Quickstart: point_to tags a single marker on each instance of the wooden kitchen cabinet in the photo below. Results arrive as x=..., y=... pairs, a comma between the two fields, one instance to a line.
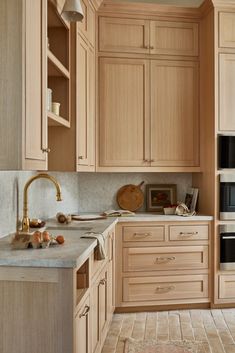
x=170, y=270
x=174, y=38
x=23, y=85
x=86, y=27
x=226, y=100
x=226, y=29
x=83, y=328
x=148, y=113
x=142, y=36
x=174, y=113
x=124, y=112
x=85, y=106
x=123, y=35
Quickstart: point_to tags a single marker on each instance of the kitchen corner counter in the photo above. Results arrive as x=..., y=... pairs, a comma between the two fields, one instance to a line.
x=75, y=250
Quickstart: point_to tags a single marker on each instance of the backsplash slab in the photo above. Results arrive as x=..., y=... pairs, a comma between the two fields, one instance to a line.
x=97, y=191
x=81, y=192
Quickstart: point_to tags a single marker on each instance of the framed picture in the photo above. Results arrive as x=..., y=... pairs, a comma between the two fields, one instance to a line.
x=160, y=196
x=191, y=199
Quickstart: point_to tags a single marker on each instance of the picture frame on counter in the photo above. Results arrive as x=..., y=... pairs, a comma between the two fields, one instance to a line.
x=191, y=198
x=159, y=196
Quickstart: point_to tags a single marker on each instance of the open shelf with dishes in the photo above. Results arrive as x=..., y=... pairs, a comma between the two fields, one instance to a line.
x=58, y=64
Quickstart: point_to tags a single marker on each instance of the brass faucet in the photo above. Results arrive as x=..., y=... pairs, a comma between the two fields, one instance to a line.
x=25, y=220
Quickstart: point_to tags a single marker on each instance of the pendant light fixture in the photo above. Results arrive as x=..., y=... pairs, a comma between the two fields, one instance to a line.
x=72, y=11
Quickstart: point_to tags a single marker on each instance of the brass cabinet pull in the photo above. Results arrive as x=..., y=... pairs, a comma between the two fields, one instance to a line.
x=188, y=234
x=164, y=289
x=151, y=47
x=46, y=150
x=103, y=281
x=80, y=157
x=146, y=47
x=148, y=160
x=85, y=312
x=142, y=234
x=164, y=259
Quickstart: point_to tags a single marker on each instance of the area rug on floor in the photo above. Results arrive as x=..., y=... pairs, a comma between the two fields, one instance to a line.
x=150, y=346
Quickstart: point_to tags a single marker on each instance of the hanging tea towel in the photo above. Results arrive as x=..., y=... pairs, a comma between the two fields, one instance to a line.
x=101, y=254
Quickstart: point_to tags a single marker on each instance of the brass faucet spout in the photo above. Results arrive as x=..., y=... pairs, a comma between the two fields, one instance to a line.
x=25, y=221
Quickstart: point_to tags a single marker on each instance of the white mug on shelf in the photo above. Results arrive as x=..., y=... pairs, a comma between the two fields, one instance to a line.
x=56, y=108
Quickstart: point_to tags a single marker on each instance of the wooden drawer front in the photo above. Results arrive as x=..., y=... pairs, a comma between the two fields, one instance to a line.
x=97, y=264
x=227, y=30
x=183, y=233
x=227, y=287
x=145, y=234
x=165, y=288
x=165, y=258
x=123, y=35
x=174, y=38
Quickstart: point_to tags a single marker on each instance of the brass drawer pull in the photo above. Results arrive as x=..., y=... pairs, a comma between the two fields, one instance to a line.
x=146, y=47
x=164, y=259
x=103, y=281
x=85, y=312
x=188, y=234
x=165, y=289
x=151, y=47
x=81, y=157
x=142, y=235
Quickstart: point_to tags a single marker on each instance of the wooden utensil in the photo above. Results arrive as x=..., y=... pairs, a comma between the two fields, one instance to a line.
x=130, y=197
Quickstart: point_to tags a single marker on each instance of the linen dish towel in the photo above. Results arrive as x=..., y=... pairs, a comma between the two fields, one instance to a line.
x=101, y=254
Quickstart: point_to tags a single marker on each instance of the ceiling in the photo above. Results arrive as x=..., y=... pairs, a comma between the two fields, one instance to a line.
x=187, y=3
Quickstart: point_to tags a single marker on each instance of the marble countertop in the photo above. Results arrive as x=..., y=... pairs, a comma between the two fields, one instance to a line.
x=75, y=250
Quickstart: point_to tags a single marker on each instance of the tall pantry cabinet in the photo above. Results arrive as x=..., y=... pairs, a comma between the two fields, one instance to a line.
x=23, y=82
x=148, y=92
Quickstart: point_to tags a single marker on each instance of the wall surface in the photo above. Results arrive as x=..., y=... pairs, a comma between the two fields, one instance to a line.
x=83, y=192
x=97, y=191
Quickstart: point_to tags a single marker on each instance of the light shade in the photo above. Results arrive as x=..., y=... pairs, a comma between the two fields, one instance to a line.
x=72, y=11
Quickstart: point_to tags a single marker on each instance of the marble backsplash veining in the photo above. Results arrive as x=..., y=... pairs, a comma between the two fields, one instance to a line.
x=81, y=192
x=97, y=191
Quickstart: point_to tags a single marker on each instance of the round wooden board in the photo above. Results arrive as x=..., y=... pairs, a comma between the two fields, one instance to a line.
x=130, y=197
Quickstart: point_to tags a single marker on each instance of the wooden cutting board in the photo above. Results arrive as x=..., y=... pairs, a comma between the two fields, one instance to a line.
x=130, y=197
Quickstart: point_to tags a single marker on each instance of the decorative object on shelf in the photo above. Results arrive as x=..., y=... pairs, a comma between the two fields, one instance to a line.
x=56, y=108
x=182, y=210
x=170, y=210
x=191, y=199
x=72, y=11
x=130, y=197
x=160, y=196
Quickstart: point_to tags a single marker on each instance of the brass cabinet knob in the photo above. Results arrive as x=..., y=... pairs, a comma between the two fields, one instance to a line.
x=151, y=47
x=46, y=150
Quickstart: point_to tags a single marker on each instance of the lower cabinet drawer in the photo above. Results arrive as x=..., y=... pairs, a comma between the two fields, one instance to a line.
x=165, y=288
x=227, y=287
x=189, y=232
x=146, y=234
x=165, y=258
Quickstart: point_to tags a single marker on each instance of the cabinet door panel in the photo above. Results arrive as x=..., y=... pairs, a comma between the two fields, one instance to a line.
x=123, y=35
x=82, y=101
x=35, y=84
x=174, y=38
x=174, y=113
x=82, y=329
x=123, y=112
x=227, y=30
x=226, y=92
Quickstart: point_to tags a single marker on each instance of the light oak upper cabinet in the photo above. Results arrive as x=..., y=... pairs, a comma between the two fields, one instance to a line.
x=123, y=35
x=226, y=92
x=123, y=91
x=23, y=120
x=87, y=26
x=85, y=103
x=174, y=113
x=174, y=38
x=227, y=29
